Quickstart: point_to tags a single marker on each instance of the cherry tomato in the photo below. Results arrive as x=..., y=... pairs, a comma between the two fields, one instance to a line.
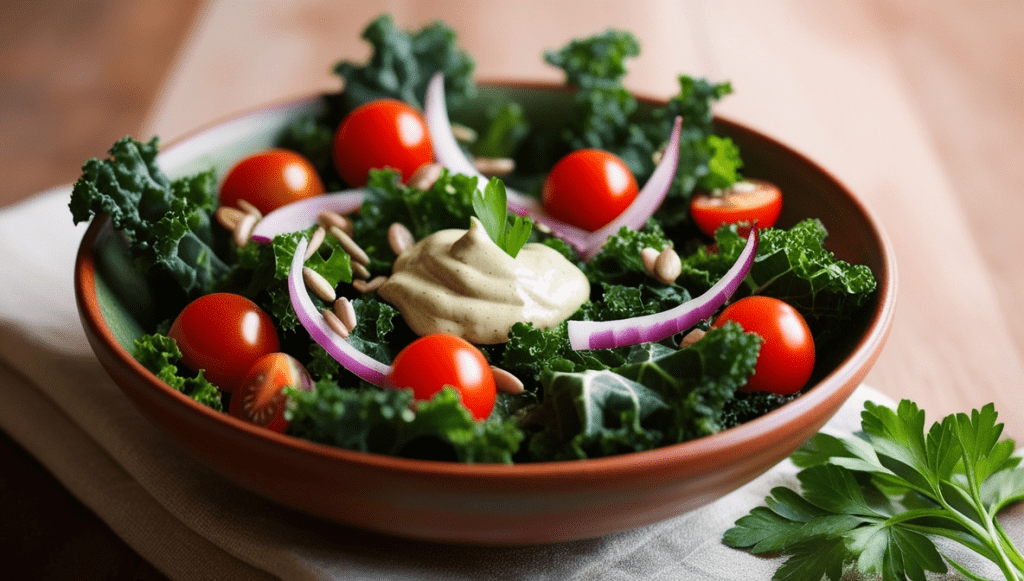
x=260, y=399
x=589, y=188
x=433, y=361
x=787, y=354
x=743, y=204
x=379, y=134
x=270, y=179
x=223, y=334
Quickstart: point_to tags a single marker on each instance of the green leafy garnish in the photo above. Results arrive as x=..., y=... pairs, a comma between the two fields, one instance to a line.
x=166, y=221
x=161, y=355
x=491, y=207
x=877, y=500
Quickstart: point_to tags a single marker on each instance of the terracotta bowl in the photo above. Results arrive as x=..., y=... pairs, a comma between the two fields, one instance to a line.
x=487, y=504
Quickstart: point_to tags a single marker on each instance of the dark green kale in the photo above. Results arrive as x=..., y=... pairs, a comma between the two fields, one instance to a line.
x=382, y=421
x=167, y=222
x=161, y=355
x=506, y=127
x=375, y=335
x=447, y=204
x=593, y=414
x=609, y=117
x=402, y=63
x=262, y=274
x=658, y=395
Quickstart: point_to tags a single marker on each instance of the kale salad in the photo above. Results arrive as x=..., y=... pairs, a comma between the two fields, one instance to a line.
x=549, y=399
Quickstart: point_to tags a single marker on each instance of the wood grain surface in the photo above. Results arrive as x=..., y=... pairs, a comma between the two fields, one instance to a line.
x=917, y=105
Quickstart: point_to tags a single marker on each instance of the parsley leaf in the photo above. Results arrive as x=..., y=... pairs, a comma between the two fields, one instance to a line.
x=875, y=501
x=491, y=207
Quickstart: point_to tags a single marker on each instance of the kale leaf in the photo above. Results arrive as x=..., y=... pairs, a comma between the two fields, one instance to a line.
x=161, y=355
x=167, y=222
x=402, y=63
x=386, y=421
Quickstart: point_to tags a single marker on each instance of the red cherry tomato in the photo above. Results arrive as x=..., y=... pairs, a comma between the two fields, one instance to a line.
x=433, y=361
x=787, y=354
x=270, y=179
x=223, y=334
x=743, y=204
x=379, y=134
x=260, y=398
x=589, y=188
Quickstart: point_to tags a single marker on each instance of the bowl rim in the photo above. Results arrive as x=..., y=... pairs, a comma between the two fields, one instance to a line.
x=728, y=442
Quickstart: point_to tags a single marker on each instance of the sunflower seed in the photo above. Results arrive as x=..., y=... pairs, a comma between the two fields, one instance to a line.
x=329, y=218
x=400, y=238
x=649, y=256
x=228, y=217
x=314, y=243
x=494, y=166
x=248, y=208
x=366, y=287
x=424, y=177
x=318, y=284
x=335, y=323
x=243, y=231
x=359, y=272
x=691, y=338
x=345, y=312
x=506, y=382
x=463, y=133
x=668, y=266
x=350, y=246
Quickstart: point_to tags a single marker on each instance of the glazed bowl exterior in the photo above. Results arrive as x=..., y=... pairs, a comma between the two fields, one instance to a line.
x=473, y=503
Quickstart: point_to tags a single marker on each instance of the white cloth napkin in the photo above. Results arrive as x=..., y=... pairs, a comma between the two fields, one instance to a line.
x=191, y=524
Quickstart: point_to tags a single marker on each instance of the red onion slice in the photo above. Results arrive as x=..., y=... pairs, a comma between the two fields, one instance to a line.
x=450, y=155
x=359, y=363
x=302, y=214
x=646, y=328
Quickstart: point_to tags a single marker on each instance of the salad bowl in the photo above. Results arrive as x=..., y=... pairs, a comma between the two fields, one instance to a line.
x=483, y=503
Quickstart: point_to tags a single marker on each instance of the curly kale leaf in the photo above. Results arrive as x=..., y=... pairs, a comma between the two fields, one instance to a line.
x=386, y=421
x=373, y=335
x=592, y=414
x=699, y=380
x=167, y=222
x=402, y=63
x=446, y=204
x=161, y=355
x=262, y=273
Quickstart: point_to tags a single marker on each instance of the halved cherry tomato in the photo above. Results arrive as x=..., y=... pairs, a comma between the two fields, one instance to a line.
x=787, y=354
x=589, y=188
x=379, y=134
x=223, y=334
x=270, y=179
x=742, y=204
x=433, y=361
x=260, y=399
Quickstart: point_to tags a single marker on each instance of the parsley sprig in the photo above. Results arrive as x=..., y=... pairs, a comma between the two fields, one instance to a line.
x=876, y=500
x=491, y=207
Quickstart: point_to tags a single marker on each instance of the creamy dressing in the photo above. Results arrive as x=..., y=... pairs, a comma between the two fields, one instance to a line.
x=461, y=283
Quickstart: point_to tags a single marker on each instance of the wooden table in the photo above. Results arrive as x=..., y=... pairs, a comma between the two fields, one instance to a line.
x=917, y=105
